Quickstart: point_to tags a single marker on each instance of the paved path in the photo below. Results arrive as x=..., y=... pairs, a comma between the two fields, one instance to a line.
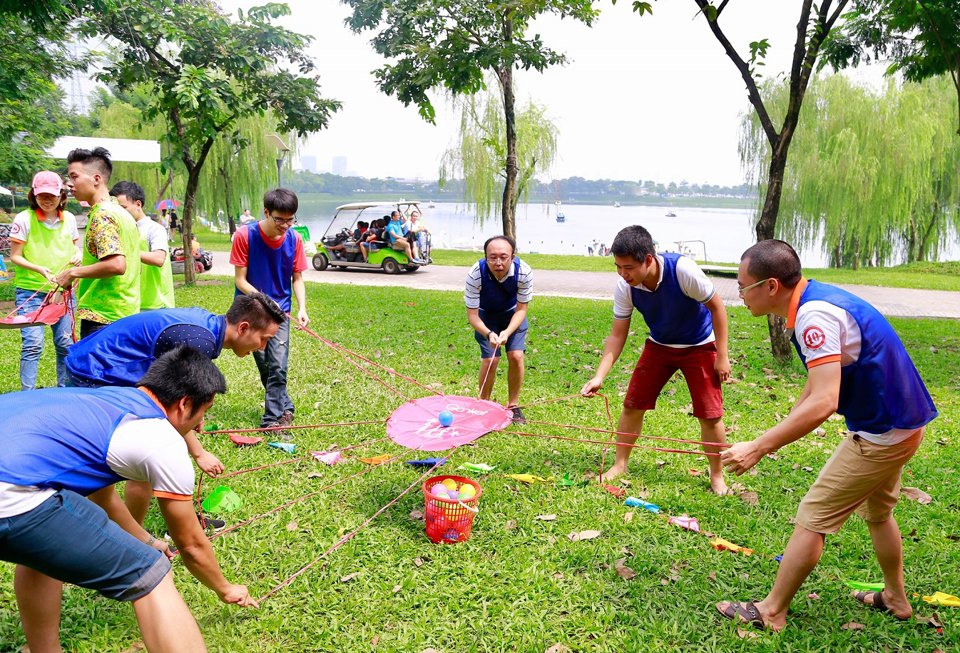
x=896, y=302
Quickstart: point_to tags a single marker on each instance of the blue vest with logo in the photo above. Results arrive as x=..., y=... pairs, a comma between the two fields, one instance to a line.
x=498, y=297
x=121, y=353
x=270, y=270
x=882, y=390
x=672, y=317
x=58, y=437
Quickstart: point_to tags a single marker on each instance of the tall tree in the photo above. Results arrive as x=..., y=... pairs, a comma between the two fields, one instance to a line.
x=206, y=72
x=874, y=175
x=482, y=147
x=32, y=114
x=452, y=44
x=920, y=37
x=815, y=23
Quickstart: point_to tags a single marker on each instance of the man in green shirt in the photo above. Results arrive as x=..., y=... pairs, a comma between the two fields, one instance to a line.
x=156, y=277
x=109, y=277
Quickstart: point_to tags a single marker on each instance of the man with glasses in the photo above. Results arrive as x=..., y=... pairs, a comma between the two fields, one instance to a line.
x=268, y=257
x=688, y=332
x=856, y=366
x=499, y=287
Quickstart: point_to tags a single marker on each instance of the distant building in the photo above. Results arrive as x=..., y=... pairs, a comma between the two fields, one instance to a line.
x=309, y=163
x=340, y=166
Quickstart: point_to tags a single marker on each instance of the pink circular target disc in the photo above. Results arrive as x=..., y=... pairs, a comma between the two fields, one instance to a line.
x=415, y=424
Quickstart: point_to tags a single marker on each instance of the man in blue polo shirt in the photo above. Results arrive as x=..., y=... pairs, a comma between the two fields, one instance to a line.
x=120, y=354
x=64, y=444
x=499, y=287
x=268, y=257
x=856, y=366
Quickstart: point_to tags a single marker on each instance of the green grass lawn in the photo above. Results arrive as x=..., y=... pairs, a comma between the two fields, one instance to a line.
x=520, y=584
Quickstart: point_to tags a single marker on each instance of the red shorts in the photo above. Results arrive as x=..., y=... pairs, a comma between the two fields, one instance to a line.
x=658, y=363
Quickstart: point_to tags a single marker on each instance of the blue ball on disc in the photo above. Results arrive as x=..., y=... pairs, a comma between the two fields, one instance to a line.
x=445, y=418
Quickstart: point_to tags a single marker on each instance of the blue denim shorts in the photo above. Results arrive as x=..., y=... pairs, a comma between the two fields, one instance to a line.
x=497, y=323
x=70, y=538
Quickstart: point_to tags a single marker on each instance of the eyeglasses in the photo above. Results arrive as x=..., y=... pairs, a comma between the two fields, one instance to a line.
x=499, y=259
x=742, y=290
x=287, y=221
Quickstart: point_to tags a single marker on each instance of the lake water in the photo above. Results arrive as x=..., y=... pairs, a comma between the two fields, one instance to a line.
x=725, y=233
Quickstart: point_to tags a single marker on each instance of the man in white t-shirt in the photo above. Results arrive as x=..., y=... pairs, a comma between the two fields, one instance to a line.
x=688, y=332
x=62, y=445
x=156, y=273
x=856, y=366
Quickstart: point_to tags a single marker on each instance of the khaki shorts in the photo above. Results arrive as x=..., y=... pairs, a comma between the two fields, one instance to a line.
x=860, y=477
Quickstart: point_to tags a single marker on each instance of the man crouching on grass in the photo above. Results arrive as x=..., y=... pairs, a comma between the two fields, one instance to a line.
x=856, y=366
x=64, y=444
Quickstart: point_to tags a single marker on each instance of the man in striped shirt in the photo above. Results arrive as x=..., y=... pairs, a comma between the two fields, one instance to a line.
x=498, y=289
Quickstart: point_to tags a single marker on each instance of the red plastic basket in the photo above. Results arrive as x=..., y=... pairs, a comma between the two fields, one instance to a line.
x=449, y=520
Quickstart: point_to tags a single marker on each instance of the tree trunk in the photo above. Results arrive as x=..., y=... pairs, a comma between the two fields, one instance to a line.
x=231, y=226
x=766, y=227
x=189, y=201
x=927, y=234
x=512, y=167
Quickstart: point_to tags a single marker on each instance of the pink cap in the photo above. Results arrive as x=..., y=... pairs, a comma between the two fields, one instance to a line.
x=47, y=182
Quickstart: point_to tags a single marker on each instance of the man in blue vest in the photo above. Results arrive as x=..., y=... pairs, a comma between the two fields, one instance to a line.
x=268, y=257
x=64, y=444
x=499, y=287
x=688, y=332
x=122, y=352
x=856, y=366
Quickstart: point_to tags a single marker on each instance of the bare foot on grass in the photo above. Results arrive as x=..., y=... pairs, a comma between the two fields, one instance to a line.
x=718, y=486
x=613, y=472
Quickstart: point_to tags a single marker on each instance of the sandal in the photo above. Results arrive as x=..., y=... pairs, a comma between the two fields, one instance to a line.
x=746, y=613
x=877, y=604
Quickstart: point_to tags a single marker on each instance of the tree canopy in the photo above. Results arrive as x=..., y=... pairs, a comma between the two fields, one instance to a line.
x=205, y=73
x=921, y=39
x=477, y=155
x=874, y=176
x=452, y=45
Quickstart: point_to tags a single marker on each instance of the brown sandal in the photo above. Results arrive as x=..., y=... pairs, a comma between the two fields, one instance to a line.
x=746, y=613
x=877, y=604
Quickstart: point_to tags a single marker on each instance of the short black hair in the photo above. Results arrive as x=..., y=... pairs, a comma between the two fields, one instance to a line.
x=281, y=199
x=510, y=241
x=98, y=158
x=184, y=372
x=634, y=241
x=774, y=259
x=130, y=190
x=257, y=309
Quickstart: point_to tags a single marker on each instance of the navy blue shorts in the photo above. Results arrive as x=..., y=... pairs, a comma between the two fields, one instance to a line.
x=497, y=323
x=70, y=538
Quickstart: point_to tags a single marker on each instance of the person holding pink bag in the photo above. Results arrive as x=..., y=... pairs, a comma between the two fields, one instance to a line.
x=42, y=243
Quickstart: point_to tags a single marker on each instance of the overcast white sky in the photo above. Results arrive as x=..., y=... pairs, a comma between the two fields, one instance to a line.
x=641, y=98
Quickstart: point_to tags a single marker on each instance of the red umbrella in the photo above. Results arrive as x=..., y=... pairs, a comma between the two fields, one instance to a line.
x=166, y=204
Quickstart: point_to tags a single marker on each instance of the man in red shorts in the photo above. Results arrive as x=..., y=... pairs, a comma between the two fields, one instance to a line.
x=688, y=332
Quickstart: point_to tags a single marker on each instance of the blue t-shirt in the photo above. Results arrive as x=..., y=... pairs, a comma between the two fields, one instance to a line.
x=395, y=229
x=120, y=353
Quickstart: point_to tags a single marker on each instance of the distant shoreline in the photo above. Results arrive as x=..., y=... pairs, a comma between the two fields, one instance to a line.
x=745, y=203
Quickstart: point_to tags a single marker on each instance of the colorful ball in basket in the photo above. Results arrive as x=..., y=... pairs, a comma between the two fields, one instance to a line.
x=450, y=520
x=445, y=418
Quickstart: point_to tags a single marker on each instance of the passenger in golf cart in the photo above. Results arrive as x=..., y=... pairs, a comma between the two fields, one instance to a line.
x=341, y=248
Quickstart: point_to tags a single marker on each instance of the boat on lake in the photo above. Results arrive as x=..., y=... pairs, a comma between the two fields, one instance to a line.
x=671, y=214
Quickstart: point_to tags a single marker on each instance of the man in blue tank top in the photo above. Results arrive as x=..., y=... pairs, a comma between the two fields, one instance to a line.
x=688, y=332
x=499, y=287
x=268, y=257
x=856, y=366
x=61, y=520
x=121, y=353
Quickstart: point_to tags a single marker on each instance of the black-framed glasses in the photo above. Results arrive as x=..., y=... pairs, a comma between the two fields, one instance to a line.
x=741, y=290
x=287, y=221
